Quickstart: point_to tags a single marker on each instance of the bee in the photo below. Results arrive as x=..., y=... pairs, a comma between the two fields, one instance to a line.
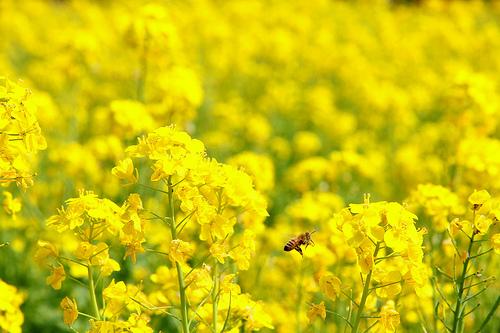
x=302, y=239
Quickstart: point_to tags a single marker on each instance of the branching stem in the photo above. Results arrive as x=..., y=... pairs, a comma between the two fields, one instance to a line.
x=364, y=295
x=180, y=274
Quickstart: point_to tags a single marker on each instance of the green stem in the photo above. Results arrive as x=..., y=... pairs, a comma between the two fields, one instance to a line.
x=457, y=315
x=180, y=274
x=91, y=286
x=364, y=295
x=490, y=314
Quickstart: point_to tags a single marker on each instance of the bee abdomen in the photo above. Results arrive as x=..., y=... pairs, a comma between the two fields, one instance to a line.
x=289, y=246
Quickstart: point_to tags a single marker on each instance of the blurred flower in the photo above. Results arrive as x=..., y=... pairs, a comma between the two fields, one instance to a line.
x=180, y=251
x=11, y=205
x=57, y=277
x=479, y=198
x=495, y=242
x=330, y=286
x=70, y=310
x=316, y=310
x=389, y=317
x=125, y=170
x=115, y=295
x=11, y=316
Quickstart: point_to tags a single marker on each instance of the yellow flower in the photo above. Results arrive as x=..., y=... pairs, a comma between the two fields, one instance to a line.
x=85, y=250
x=11, y=205
x=330, y=285
x=100, y=257
x=44, y=251
x=482, y=223
x=109, y=266
x=115, y=295
x=455, y=226
x=243, y=253
x=180, y=251
x=415, y=253
x=219, y=251
x=316, y=310
x=57, y=277
x=390, y=280
x=199, y=278
x=139, y=323
x=242, y=257
x=70, y=310
x=132, y=239
x=227, y=285
x=131, y=115
x=259, y=167
x=479, y=198
x=253, y=313
x=222, y=226
x=100, y=254
x=389, y=317
x=115, y=291
x=97, y=326
x=365, y=255
x=306, y=143
x=11, y=317
x=125, y=170
x=20, y=133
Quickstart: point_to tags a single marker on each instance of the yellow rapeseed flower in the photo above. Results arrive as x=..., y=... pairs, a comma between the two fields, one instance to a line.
x=219, y=251
x=330, y=286
x=482, y=223
x=57, y=277
x=316, y=310
x=479, y=198
x=11, y=205
x=44, y=251
x=11, y=316
x=70, y=310
x=179, y=251
x=389, y=317
x=125, y=170
x=115, y=295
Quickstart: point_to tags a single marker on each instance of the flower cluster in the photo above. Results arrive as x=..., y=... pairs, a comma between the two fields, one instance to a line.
x=20, y=134
x=209, y=202
x=11, y=317
x=91, y=227
x=389, y=254
x=297, y=109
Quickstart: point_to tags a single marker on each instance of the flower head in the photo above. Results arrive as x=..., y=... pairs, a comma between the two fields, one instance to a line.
x=389, y=317
x=316, y=310
x=70, y=310
x=330, y=285
x=57, y=277
x=180, y=251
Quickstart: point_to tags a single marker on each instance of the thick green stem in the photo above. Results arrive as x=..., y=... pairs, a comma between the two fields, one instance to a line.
x=180, y=274
x=364, y=295
x=91, y=286
x=457, y=317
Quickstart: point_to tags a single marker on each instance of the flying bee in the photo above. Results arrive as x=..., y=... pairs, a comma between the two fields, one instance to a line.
x=297, y=242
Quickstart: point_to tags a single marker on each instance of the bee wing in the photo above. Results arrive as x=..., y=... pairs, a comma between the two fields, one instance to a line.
x=285, y=237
